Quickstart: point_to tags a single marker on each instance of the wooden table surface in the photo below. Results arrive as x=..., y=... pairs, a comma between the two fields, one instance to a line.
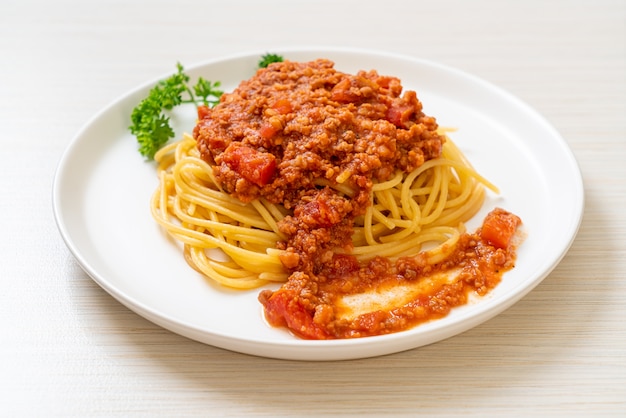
x=67, y=348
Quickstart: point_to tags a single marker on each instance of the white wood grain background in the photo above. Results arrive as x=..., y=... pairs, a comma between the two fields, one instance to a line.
x=69, y=349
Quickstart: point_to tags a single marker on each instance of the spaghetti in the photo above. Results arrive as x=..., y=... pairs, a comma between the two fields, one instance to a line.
x=423, y=209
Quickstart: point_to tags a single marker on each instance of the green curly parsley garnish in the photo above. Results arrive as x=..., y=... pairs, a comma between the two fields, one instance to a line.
x=150, y=122
x=267, y=59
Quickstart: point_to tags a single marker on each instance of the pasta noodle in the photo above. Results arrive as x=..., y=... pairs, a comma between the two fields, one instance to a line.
x=234, y=243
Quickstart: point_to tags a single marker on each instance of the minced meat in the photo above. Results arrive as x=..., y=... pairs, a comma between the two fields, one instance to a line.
x=293, y=124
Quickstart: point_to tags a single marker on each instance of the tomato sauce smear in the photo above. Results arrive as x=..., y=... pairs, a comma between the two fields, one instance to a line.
x=348, y=300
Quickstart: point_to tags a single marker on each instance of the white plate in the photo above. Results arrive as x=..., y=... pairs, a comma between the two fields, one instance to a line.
x=102, y=189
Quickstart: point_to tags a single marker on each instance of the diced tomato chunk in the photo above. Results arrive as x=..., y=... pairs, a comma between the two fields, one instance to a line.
x=268, y=131
x=282, y=106
x=282, y=308
x=203, y=111
x=399, y=115
x=403, y=110
x=343, y=92
x=255, y=166
x=499, y=227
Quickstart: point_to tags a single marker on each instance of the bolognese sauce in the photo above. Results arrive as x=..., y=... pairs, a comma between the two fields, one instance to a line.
x=293, y=132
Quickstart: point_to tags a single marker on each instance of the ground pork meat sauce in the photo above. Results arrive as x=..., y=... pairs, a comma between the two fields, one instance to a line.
x=291, y=130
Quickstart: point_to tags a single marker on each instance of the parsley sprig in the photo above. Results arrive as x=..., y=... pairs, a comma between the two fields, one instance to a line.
x=267, y=59
x=150, y=121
